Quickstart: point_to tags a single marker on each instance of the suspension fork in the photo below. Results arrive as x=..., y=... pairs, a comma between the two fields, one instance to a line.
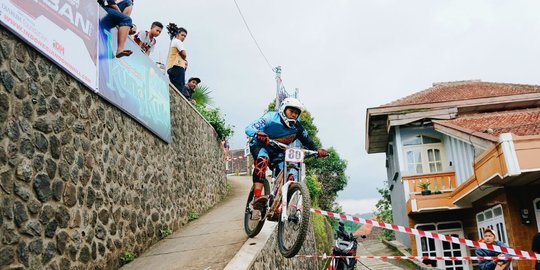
x=285, y=189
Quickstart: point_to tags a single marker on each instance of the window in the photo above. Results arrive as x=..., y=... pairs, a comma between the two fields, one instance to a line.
x=432, y=247
x=421, y=139
x=414, y=162
x=414, y=141
x=427, y=245
x=423, y=154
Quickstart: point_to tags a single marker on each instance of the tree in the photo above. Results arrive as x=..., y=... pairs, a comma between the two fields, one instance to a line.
x=331, y=175
x=384, y=212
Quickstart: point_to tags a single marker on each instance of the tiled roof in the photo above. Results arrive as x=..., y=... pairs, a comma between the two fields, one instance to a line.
x=464, y=90
x=519, y=122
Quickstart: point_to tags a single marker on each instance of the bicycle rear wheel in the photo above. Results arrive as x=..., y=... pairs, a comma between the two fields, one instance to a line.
x=252, y=225
x=292, y=232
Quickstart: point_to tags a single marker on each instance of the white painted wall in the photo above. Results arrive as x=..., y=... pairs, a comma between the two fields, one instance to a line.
x=461, y=155
x=399, y=208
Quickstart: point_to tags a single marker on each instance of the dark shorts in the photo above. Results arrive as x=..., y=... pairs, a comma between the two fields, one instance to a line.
x=118, y=18
x=124, y=4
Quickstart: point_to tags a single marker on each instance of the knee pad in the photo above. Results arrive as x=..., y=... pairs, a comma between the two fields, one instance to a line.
x=259, y=170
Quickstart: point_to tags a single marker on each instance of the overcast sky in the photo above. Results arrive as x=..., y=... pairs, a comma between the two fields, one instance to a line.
x=346, y=56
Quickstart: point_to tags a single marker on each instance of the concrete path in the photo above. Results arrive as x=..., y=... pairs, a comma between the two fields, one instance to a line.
x=375, y=247
x=208, y=243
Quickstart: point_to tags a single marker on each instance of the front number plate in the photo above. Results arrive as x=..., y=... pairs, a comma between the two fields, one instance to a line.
x=294, y=155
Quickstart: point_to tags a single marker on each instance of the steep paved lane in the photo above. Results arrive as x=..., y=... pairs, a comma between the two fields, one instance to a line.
x=209, y=242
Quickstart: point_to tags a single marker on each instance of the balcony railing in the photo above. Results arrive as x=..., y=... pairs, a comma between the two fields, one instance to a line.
x=441, y=181
x=445, y=182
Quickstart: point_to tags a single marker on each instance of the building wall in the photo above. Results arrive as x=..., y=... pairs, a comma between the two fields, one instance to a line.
x=461, y=155
x=80, y=181
x=521, y=234
x=399, y=199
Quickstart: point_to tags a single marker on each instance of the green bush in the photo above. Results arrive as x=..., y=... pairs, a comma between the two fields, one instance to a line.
x=213, y=116
x=193, y=216
x=314, y=187
x=127, y=257
x=324, y=236
x=165, y=232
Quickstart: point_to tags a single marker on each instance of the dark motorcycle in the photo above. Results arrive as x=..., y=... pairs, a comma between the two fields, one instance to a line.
x=346, y=245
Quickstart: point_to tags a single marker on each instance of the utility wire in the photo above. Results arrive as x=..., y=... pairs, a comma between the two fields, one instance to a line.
x=251, y=34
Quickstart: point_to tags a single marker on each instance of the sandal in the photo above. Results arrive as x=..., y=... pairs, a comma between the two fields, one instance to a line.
x=124, y=53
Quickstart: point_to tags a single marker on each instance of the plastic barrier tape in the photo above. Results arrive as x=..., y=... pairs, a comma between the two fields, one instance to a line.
x=239, y=157
x=516, y=252
x=420, y=258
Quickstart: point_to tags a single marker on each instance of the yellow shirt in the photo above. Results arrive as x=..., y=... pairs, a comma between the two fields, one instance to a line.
x=174, y=58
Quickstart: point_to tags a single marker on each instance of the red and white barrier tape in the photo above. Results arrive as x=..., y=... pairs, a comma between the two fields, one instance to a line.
x=239, y=157
x=432, y=235
x=420, y=258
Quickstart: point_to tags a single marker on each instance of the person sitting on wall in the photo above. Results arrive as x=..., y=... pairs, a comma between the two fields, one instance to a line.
x=121, y=20
x=147, y=39
x=489, y=238
x=189, y=88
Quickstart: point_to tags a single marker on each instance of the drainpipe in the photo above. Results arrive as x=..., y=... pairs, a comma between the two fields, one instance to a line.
x=509, y=152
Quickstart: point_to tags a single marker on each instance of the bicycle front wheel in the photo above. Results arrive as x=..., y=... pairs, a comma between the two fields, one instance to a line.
x=292, y=232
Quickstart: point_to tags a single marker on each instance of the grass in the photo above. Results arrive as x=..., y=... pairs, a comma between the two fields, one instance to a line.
x=323, y=235
x=165, y=232
x=193, y=216
x=127, y=257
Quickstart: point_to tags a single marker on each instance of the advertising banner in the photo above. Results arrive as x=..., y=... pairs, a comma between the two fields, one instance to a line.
x=133, y=83
x=65, y=31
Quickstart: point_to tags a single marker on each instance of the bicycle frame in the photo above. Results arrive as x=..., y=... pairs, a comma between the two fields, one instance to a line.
x=296, y=161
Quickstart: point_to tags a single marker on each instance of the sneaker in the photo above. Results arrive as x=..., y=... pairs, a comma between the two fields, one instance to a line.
x=260, y=202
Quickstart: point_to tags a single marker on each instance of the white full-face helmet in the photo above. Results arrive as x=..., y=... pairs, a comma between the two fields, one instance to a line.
x=290, y=103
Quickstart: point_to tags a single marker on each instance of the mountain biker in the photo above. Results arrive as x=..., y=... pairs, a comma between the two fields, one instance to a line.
x=283, y=126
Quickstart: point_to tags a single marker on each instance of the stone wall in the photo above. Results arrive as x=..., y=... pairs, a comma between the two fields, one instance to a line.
x=80, y=181
x=270, y=257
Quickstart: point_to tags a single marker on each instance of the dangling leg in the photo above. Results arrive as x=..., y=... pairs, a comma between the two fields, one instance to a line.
x=259, y=171
x=260, y=155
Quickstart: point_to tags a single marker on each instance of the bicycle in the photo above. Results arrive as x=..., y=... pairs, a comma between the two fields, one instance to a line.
x=294, y=213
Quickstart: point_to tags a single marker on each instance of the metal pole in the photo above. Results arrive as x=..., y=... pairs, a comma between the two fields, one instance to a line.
x=278, y=85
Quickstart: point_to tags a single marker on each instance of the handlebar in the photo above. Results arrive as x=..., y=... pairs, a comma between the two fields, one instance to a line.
x=285, y=146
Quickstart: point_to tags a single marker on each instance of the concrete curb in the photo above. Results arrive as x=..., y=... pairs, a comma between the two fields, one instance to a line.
x=252, y=247
x=402, y=249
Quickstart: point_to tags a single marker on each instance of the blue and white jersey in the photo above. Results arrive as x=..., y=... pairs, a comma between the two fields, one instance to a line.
x=272, y=125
